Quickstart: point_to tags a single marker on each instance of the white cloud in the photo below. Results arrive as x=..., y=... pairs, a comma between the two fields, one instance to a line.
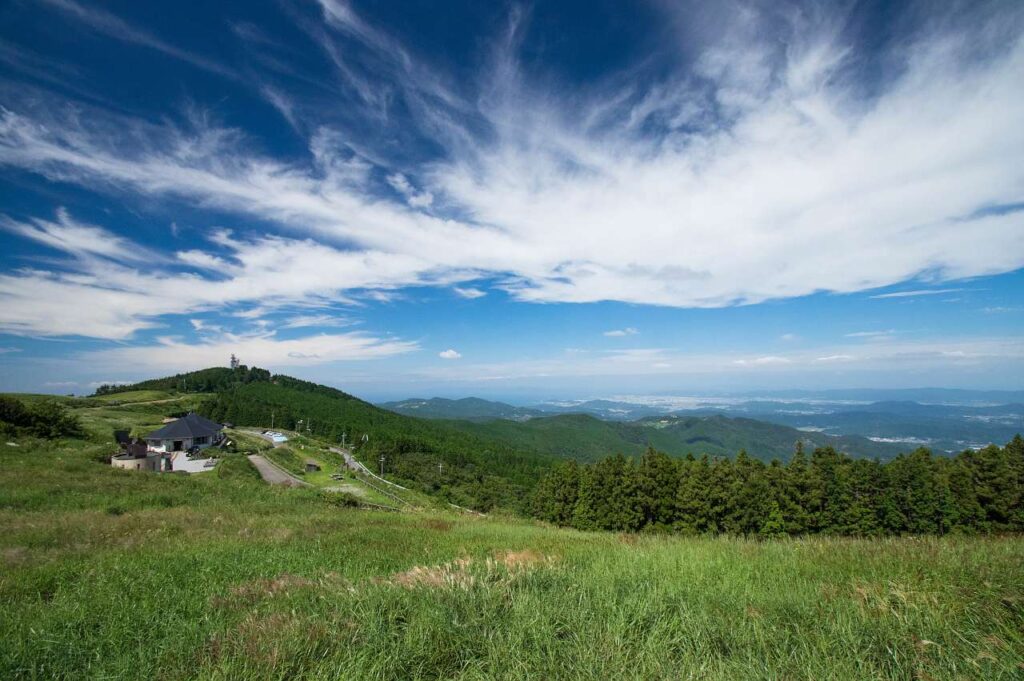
x=105, y=299
x=619, y=333
x=788, y=337
x=835, y=358
x=415, y=199
x=763, y=361
x=914, y=294
x=170, y=355
x=469, y=292
x=449, y=354
x=567, y=196
x=77, y=239
x=307, y=320
x=871, y=334
x=4, y=351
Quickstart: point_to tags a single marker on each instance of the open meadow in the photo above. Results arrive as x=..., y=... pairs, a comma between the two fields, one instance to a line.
x=116, y=574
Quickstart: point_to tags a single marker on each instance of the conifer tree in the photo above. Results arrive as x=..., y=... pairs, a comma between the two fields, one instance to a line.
x=693, y=498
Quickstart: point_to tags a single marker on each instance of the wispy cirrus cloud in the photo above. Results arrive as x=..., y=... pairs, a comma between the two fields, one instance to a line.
x=113, y=26
x=916, y=293
x=768, y=360
x=469, y=292
x=886, y=333
x=620, y=333
x=835, y=358
x=116, y=296
x=620, y=192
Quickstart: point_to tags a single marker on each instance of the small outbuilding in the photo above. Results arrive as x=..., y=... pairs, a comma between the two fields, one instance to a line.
x=134, y=455
x=312, y=466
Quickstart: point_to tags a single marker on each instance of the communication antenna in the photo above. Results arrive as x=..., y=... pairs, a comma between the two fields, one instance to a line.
x=234, y=361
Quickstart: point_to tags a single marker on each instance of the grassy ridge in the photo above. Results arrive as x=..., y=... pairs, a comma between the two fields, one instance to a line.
x=109, y=574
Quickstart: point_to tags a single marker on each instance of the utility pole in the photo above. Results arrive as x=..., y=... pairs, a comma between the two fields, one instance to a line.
x=439, y=467
x=271, y=420
x=343, y=440
x=382, y=465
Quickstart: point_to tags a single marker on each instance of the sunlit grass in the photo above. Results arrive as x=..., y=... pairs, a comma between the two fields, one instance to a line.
x=114, y=574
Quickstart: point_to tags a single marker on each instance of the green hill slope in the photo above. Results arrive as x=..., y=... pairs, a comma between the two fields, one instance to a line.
x=465, y=468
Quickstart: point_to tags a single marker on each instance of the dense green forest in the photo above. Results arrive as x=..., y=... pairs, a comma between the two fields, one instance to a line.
x=44, y=418
x=828, y=492
x=586, y=438
x=427, y=455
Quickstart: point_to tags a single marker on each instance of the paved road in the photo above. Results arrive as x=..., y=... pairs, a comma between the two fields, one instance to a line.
x=274, y=475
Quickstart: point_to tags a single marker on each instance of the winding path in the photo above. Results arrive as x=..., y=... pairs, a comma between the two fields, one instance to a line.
x=274, y=474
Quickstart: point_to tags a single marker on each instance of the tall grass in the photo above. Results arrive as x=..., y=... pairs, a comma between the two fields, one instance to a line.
x=110, y=574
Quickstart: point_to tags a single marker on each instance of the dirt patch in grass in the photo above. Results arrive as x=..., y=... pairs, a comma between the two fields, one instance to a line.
x=268, y=640
x=248, y=593
x=463, y=573
x=354, y=490
x=519, y=560
x=14, y=555
x=437, y=524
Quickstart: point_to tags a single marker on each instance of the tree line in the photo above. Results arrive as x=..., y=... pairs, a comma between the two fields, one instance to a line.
x=826, y=492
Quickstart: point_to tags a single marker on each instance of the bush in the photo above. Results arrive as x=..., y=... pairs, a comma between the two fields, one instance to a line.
x=47, y=419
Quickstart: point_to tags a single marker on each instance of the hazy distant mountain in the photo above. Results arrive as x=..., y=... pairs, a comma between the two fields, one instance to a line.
x=949, y=396
x=609, y=410
x=467, y=408
x=949, y=428
x=888, y=425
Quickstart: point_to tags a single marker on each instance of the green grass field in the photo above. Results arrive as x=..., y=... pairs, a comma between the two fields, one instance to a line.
x=117, y=575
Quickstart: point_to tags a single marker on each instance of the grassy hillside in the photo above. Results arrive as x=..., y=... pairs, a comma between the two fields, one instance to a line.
x=585, y=438
x=110, y=574
x=466, y=469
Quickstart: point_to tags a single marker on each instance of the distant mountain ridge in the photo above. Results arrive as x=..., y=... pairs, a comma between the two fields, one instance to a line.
x=586, y=438
x=895, y=423
x=467, y=408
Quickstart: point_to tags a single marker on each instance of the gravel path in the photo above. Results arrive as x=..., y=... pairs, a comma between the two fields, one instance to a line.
x=273, y=474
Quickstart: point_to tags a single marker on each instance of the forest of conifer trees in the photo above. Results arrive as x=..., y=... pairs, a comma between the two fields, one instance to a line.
x=826, y=492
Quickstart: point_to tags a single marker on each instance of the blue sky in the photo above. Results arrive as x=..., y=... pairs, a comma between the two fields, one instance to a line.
x=514, y=200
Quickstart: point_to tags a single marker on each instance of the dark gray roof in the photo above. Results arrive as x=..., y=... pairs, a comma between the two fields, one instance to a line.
x=192, y=426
